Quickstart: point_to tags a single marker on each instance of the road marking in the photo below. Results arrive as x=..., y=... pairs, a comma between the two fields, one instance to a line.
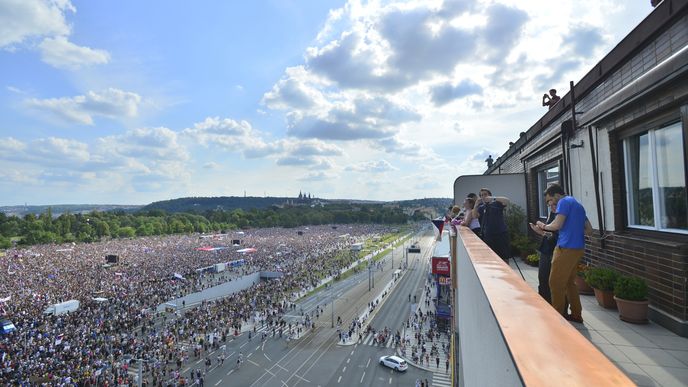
x=186, y=370
x=230, y=372
x=252, y=362
x=390, y=380
x=218, y=382
x=362, y=376
x=281, y=367
x=243, y=345
x=368, y=363
x=302, y=378
x=344, y=369
x=268, y=371
x=348, y=360
x=257, y=348
x=339, y=379
x=199, y=361
x=352, y=353
x=249, y=355
x=266, y=356
x=285, y=384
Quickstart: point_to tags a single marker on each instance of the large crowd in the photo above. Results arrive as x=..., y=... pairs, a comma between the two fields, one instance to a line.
x=117, y=318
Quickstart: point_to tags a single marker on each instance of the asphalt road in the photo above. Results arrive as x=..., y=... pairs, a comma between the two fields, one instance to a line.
x=317, y=358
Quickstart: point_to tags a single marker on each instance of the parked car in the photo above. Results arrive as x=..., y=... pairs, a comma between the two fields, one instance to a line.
x=394, y=362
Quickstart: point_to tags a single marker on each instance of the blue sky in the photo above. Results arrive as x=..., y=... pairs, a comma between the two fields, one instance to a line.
x=129, y=102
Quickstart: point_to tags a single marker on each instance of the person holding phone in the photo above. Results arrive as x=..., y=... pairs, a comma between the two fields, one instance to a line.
x=546, y=250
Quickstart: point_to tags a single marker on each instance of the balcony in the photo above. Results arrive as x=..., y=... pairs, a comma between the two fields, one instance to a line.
x=509, y=336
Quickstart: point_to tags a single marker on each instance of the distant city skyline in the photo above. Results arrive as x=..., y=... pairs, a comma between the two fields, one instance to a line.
x=134, y=102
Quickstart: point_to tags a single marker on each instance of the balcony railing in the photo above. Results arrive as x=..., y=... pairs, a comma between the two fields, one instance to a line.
x=509, y=336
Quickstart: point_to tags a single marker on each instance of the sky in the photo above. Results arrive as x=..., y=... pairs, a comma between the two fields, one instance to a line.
x=130, y=102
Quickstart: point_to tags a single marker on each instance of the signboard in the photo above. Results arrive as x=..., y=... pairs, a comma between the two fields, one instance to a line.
x=445, y=281
x=440, y=265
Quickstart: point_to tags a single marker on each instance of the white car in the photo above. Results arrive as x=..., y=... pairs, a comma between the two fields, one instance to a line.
x=394, y=362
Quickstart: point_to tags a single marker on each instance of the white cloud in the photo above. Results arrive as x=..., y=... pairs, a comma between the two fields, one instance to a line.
x=24, y=19
x=379, y=166
x=81, y=109
x=318, y=176
x=61, y=53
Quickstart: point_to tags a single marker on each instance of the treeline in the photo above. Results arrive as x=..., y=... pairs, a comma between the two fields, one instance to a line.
x=94, y=226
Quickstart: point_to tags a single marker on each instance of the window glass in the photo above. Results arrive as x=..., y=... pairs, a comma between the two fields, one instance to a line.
x=671, y=176
x=547, y=176
x=655, y=179
x=639, y=183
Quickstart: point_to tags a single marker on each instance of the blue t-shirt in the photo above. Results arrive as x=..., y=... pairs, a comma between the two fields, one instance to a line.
x=572, y=233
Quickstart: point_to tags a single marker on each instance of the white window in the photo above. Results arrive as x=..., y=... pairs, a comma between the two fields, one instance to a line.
x=656, y=179
x=548, y=175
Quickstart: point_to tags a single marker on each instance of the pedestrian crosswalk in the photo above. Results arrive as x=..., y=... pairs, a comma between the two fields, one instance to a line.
x=441, y=379
x=369, y=339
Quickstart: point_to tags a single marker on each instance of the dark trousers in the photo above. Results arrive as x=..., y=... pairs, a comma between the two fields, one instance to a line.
x=544, y=268
x=499, y=243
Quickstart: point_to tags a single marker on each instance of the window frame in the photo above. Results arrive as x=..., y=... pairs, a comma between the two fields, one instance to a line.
x=542, y=185
x=651, y=130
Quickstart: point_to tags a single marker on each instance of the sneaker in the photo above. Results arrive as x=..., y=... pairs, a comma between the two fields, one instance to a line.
x=573, y=318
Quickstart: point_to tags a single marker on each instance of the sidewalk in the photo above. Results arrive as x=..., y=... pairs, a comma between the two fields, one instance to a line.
x=439, y=362
x=647, y=353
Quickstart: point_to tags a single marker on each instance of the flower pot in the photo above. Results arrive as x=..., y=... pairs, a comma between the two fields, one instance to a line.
x=583, y=287
x=632, y=311
x=605, y=298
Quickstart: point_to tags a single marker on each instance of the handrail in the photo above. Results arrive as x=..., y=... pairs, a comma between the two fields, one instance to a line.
x=544, y=347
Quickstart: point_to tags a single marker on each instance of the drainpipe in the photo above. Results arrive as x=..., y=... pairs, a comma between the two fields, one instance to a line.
x=597, y=186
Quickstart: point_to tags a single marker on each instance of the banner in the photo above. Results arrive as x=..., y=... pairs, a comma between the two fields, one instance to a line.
x=440, y=265
x=439, y=226
x=444, y=281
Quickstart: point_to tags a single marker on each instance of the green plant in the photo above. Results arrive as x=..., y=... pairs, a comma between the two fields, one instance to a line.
x=515, y=219
x=601, y=278
x=581, y=269
x=533, y=259
x=521, y=245
x=630, y=288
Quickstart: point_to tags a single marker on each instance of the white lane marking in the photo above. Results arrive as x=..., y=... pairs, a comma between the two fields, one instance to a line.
x=347, y=361
x=249, y=355
x=390, y=380
x=218, y=382
x=344, y=369
x=368, y=363
x=230, y=372
x=339, y=379
x=352, y=353
x=302, y=378
x=266, y=356
x=257, y=348
x=362, y=376
x=243, y=345
x=252, y=362
x=284, y=384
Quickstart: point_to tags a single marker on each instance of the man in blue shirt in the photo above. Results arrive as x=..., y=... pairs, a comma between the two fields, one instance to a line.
x=572, y=225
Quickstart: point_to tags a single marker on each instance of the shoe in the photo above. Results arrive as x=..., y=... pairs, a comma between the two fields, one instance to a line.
x=573, y=318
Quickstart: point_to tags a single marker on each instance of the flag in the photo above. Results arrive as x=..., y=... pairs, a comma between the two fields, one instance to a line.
x=439, y=226
x=179, y=276
x=58, y=339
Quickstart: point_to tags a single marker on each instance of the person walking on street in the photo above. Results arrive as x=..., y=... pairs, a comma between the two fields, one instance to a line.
x=572, y=225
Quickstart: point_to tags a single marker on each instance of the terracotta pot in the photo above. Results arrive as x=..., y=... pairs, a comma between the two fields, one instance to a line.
x=583, y=287
x=632, y=311
x=605, y=298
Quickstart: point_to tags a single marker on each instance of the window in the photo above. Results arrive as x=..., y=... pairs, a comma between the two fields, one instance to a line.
x=656, y=179
x=548, y=175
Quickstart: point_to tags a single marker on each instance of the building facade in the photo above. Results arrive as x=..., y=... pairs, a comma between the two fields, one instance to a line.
x=617, y=141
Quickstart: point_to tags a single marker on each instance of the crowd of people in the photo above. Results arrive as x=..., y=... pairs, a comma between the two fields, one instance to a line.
x=117, y=319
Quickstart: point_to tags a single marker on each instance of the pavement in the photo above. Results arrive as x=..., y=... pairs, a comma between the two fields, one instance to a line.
x=649, y=354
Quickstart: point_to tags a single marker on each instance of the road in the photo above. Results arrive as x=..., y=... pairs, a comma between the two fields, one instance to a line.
x=318, y=358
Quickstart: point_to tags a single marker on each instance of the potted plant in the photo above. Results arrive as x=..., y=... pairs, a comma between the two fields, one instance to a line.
x=630, y=294
x=522, y=246
x=533, y=259
x=602, y=281
x=583, y=287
